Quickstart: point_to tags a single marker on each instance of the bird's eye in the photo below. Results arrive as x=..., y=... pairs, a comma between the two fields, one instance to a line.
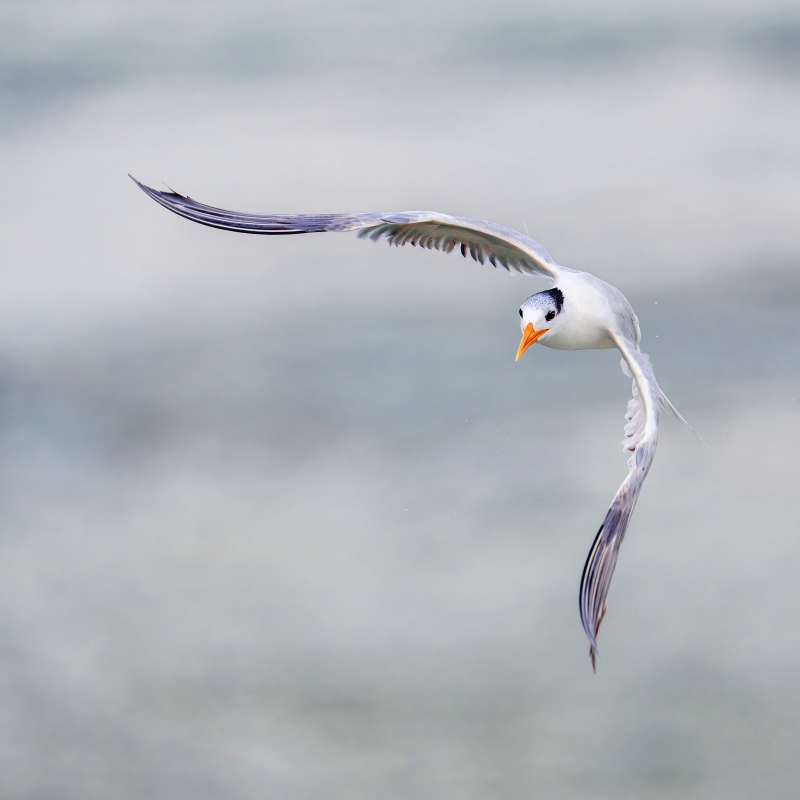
x=520, y=312
x=550, y=315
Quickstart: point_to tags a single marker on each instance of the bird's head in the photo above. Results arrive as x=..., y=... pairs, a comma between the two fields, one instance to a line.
x=538, y=316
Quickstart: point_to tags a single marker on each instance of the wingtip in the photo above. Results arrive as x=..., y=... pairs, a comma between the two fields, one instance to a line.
x=145, y=189
x=155, y=192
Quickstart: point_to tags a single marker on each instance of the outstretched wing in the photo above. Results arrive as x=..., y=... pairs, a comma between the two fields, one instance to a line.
x=483, y=241
x=641, y=437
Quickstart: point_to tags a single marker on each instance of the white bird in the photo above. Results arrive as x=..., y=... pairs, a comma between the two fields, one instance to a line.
x=579, y=312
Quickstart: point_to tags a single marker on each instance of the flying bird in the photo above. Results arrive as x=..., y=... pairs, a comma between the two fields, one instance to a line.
x=579, y=312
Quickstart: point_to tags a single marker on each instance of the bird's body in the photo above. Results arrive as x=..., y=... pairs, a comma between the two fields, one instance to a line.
x=579, y=312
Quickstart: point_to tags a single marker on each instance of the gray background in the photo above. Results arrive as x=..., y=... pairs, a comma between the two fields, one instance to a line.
x=282, y=518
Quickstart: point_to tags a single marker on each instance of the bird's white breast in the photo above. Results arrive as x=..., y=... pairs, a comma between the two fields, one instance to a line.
x=592, y=308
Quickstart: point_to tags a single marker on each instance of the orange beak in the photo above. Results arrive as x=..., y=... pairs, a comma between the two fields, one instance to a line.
x=529, y=336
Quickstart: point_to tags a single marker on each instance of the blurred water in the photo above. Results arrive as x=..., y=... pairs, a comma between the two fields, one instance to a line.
x=283, y=518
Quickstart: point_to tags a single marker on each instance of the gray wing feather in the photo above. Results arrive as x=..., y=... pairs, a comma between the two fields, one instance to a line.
x=641, y=438
x=483, y=241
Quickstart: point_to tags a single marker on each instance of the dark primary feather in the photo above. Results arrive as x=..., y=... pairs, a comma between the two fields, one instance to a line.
x=602, y=558
x=264, y=224
x=641, y=438
x=483, y=241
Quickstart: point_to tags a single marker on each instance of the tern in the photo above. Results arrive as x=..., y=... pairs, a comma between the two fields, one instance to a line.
x=579, y=312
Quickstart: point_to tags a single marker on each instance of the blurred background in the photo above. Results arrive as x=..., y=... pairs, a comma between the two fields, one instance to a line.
x=282, y=518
